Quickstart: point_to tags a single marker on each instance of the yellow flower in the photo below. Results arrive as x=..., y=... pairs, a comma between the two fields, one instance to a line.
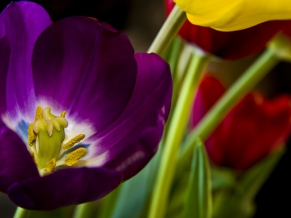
x=230, y=15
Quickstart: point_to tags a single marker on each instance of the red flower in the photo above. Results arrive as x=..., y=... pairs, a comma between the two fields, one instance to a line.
x=229, y=45
x=249, y=132
x=287, y=31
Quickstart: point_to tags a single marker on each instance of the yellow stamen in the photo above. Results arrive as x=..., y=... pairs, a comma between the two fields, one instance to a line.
x=63, y=114
x=73, y=141
x=33, y=156
x=38, y=113
x=31, y=135
x=51, y=165
x=75, y=156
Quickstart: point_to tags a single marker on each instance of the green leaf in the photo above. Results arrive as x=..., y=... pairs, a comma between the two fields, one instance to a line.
x=241, y=200
x=173, y=60
x=255, y=177
x=198, y=201
x=134, y=192
x=222, y=178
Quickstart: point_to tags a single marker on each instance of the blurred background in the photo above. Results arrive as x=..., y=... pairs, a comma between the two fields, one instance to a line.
x=141, y=20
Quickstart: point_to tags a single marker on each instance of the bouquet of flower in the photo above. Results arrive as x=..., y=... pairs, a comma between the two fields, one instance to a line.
x=88, y=128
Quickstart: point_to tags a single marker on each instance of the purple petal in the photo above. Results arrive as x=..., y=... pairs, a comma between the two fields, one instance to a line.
x=21, y=23
x=137, y=148
x=133, y=138
x=4, y=61
x=16, y=162
x=64, y=187
x=86, y=68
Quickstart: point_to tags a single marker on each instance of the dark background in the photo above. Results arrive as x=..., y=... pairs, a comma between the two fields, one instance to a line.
x=141, y=20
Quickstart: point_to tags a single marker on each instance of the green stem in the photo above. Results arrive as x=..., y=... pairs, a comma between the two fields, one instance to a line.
x=174, y=136
x=173, y=60
x=177, y=81
x=179, y=76
x=236, y=92
x=168, y=31
x=21, y=213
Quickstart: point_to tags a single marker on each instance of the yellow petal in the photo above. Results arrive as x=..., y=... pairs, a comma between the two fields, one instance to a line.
x=230, y=15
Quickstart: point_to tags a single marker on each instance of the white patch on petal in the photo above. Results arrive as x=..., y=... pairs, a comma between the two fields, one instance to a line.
x=162, y=119
x=130, y=160
x=57, y=109
x=163, y=109
x=75, y=128
x=97, y=161
x=93, y=149
x=7, y=121
x=20, y=128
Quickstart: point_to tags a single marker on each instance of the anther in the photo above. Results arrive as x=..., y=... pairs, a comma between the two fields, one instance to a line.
x=51, y=165
x=63, y=114
x=31, y=135
x=38, y=113
x=75, y=156
x=73, y=141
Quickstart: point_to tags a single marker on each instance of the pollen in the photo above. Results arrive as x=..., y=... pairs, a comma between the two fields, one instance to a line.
x=51, y=165
x=31, y=135
x=73, y=141
x=75, y=156
x=38, y=113
x=31, y=138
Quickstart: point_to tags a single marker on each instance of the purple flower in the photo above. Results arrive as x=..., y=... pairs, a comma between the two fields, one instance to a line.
x=79, y=111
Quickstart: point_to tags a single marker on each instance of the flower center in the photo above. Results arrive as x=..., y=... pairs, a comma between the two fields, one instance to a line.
x=46, y=136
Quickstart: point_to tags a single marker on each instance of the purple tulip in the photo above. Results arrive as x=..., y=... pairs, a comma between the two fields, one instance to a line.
x=79, y=111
